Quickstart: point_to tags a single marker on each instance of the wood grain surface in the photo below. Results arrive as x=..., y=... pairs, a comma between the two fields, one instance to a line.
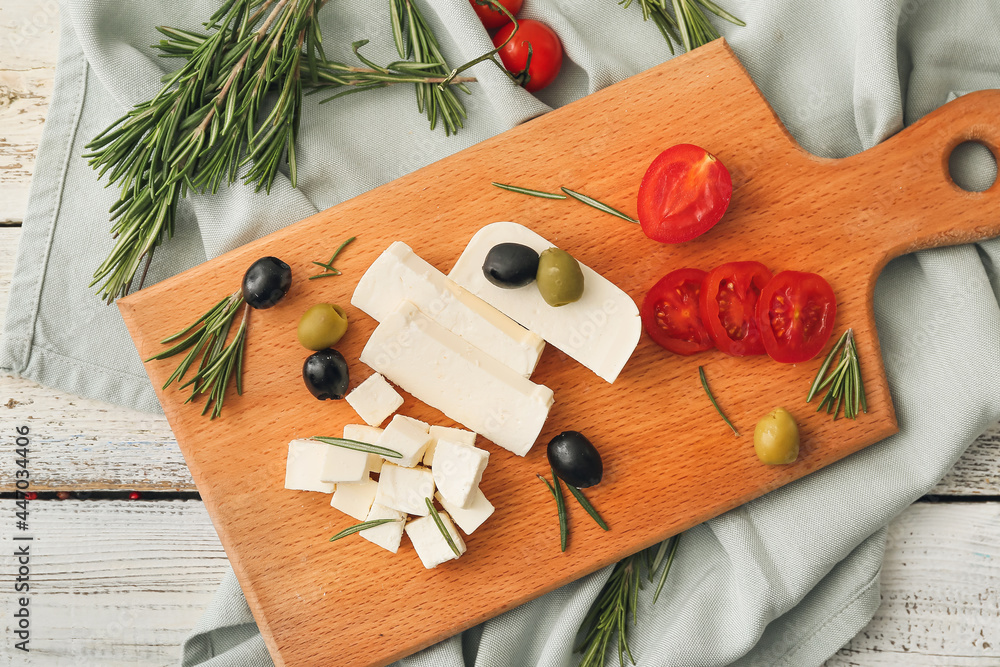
x=842, y=218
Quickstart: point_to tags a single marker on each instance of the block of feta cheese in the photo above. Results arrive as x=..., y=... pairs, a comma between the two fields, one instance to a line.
x=430, y=544
x=388, y=535
x=459, y=435
x=304, y=465
x=405, y=489
x=471, y=517
x=355, y=498
x=374, y=400
x=600, y=330
x=458, y=469
x=344, y=465
x=408, y=436
x=368, y=435
x=466, y=384
x=399, y=274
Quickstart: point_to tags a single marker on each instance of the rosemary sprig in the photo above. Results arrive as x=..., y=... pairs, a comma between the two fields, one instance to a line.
x=556, y=492
x=844, y=380
x=672, y=542
x=528, y=191
x=600, y=206
x=704, y=384
x=219, y=362
x=359, y=446
x=440, y=524
x=330, y=271
x=357, y=528
x=688, y=20
x=585, y=504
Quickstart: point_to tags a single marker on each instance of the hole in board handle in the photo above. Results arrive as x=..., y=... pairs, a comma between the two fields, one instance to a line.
x=972, y=166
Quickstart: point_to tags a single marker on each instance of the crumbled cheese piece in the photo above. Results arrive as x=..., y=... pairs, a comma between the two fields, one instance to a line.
x=355, y=498
x=369, y=435
x=388, y=535
x=374, y=400
x=407, y=436
x=459, y=435
x=304, y=465
x=471, y=517
x=344, y=465
x=430, y=544
x=458, y=469
x=405, y=489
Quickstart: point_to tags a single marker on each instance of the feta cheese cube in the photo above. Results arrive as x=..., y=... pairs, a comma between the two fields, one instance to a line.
x=374, y=400
x=458, y=469
x=459, y=435
x=355, y=498
x=388, y=535
x=471, y=517
x=407, y=436
x=304, y=465
x=344, y=465
x=369, y=435
x=430, y=544
x=405, y=489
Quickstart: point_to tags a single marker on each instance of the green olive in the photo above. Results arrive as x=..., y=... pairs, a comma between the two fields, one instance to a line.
x=322, y=326
x=776, y=438
x=559, y=277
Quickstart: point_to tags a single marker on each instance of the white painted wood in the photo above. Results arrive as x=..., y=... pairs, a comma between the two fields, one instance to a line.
x=29, y=41
x=114, y=584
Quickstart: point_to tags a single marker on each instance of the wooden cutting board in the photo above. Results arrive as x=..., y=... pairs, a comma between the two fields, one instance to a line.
x=670, y=462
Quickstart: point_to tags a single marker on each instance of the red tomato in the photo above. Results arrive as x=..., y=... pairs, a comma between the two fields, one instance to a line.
x=671, y=313
x=795, y=314
x=729, y=297
x=546, y=52
x=684, y=193
x=494, y=18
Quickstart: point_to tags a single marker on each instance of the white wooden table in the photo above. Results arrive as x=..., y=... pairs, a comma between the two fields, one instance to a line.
x=120, y=582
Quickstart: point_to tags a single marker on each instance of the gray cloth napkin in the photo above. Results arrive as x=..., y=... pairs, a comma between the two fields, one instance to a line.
x=783, y=580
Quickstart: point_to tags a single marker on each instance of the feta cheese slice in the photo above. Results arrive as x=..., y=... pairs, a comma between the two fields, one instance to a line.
x=374, y=400
x=388, y=535
x=408, y=436
x=458, y=469
x=405, y=489
x=463, y=382
x=600, y=330
x=368, y=435
x=459, y=435
x=344, y=465
x=304, y=465
x=430, y=544
x=471, y=517
x=399, y=274
x=355, y=498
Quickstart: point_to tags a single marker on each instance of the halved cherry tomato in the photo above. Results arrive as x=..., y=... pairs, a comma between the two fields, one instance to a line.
x=494, y=18
x=684, y=193
x=546, y=52
x=795, y=314
x=729, y=297
x=671, y=313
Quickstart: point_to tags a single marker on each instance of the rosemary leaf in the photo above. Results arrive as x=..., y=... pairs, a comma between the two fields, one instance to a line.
x=687, y=24
x=704, y=384
x=529, y=192
x=844, y=384
x=330, y=271
x=578, y=494
x=357, y=528
x=673, y=541
x=359, y=446
x=600, y=206
x=444, y=530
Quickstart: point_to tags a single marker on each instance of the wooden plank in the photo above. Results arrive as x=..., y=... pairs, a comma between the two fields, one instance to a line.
x=940, y=592
x=717, y=106
x=113, y=584
x=29, y=39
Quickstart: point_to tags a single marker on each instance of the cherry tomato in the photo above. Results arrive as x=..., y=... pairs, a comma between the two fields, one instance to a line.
x=795, y=314
x=494, y=18
x=671, y=313
x=684, y=193
x=729, y=296
x=546, y=52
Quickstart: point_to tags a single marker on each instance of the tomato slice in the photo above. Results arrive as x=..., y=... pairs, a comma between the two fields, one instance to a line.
x=684, y=193
x=795, y=313
x=729, y=297
x=671, y=313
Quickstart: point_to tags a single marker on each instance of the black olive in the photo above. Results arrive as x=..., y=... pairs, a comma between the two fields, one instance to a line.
x=510, y=265
x=575, y=459
x=266, y=282
x=326, y=375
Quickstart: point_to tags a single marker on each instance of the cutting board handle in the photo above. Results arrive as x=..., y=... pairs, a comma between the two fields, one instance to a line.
x=910, y=170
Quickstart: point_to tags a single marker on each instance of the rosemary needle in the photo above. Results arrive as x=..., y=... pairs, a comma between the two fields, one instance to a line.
x=441, y=527
x=560, y=510
x=673, y=542
x=600, y=206
x=846, y=386
x=704, y=384
x=578, y=494
x=359, y=527
x=529, y=191
x=359, y=446
x=329, y=265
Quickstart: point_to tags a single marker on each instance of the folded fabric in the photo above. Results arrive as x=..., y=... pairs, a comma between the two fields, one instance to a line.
x=783, y=580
